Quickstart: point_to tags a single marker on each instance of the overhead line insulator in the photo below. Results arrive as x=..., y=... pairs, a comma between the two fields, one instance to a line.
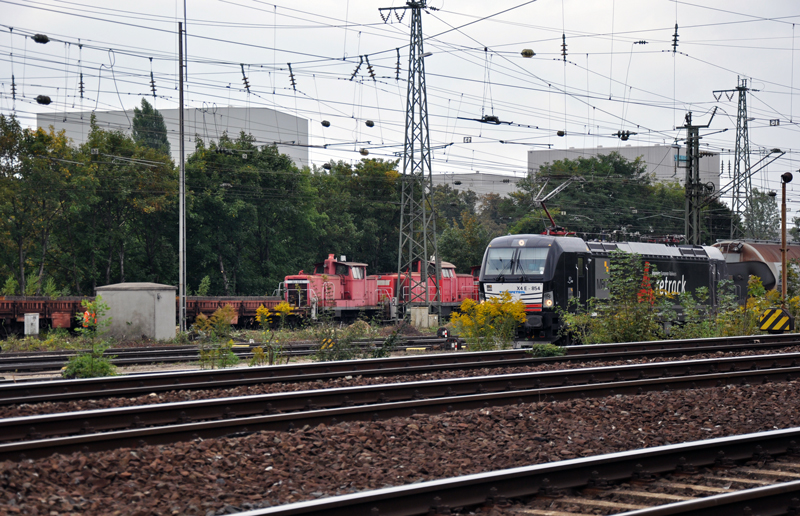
x=82, y=88
x=397, y=72
x=13, y=88
x=370, y=69
x=564, y=47
x=675, y=40
x=291, y=77
x=244, y=79
x=355, y=72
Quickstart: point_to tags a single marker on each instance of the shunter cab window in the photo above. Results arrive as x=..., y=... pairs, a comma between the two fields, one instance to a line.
x=531, y=260
x=358, y=272
x=448, y=273
x=319, y=269
x=341, y=270
x=498, y=261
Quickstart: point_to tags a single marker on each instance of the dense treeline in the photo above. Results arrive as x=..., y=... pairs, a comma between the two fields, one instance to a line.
x=76, y=217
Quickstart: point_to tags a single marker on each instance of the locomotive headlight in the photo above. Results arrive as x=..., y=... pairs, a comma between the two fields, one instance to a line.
x=547, y=299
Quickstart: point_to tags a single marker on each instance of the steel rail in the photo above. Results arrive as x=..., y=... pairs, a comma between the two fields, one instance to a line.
x=786, y=339
x=282, y=422
x=479, y=489
x=71, y=423
x=765, y=501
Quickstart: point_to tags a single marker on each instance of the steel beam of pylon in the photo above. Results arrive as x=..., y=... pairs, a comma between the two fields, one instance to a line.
x=742, y=185
x=417, y=220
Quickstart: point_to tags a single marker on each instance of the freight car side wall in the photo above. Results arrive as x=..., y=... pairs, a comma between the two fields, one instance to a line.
x=62, y=312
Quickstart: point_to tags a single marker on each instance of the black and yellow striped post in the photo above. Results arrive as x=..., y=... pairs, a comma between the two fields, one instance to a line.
x=327, y=343
x=776, y=320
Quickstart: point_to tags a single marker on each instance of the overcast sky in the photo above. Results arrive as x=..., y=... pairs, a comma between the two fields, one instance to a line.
x=620, y=72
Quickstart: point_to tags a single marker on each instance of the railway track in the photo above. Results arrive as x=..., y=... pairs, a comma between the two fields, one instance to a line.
x=55, y=360
x=748, y=474
x=12, y=362
x=284, y=411
x=133, y=385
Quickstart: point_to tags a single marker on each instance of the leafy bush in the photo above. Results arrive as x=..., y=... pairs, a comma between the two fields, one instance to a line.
x=93, y=364
x=632, y=312
x=214, y=353
x=56, y=339
x=259, y=358
x=205, y=285
x=10, y=287
x=218, y=326
x=217, y=356
x=89, y=327
x=339, y=344
x=384, y=350
x=31, y=284
x=50, y=290
x=547, y=350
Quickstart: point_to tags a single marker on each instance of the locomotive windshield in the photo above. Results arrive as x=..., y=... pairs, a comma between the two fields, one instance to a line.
x=499, y=261
x=531, y=260
x=527, y=261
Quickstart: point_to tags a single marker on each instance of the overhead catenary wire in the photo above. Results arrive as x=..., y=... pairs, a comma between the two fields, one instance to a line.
x=590, y=108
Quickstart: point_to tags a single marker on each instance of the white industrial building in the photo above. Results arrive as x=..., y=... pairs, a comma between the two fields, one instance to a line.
x=288, y=132
x=666, y=162
x=481, y=183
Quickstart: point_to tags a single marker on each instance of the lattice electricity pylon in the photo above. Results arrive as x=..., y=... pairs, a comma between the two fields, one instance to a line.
x=417, y=221
x=742, y=188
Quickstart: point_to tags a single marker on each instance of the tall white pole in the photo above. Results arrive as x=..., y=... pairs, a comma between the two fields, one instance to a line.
x=182, y=197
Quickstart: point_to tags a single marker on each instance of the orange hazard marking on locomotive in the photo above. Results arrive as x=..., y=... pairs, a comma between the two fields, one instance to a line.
x=775, y=319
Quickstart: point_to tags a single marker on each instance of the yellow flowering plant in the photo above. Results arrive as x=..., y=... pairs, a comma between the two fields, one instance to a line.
x=490, y=324
x=274, y=351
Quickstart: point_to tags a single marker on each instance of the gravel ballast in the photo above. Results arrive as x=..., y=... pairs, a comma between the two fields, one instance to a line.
x=220, y=476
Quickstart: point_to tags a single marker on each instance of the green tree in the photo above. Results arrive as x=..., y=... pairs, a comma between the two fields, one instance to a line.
x=361, y=208
x=464, y=242
x=132, y=186
x=450, y=203
x=618, y=197
x=498, y=213
x=251, y=217
x=38, y=181
x=762, y=217
x=149, y=129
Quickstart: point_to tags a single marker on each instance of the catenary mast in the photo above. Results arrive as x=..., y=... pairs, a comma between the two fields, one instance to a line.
x=417, y=219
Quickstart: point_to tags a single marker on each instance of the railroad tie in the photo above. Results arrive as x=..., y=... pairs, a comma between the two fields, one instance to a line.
x=657, y=496
x=771, y=472
x=744, y=481
x=543, y=512
x=602, y=503
x=706, y=489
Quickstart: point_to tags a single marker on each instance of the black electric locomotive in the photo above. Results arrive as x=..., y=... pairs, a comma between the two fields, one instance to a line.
x=548, y=272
